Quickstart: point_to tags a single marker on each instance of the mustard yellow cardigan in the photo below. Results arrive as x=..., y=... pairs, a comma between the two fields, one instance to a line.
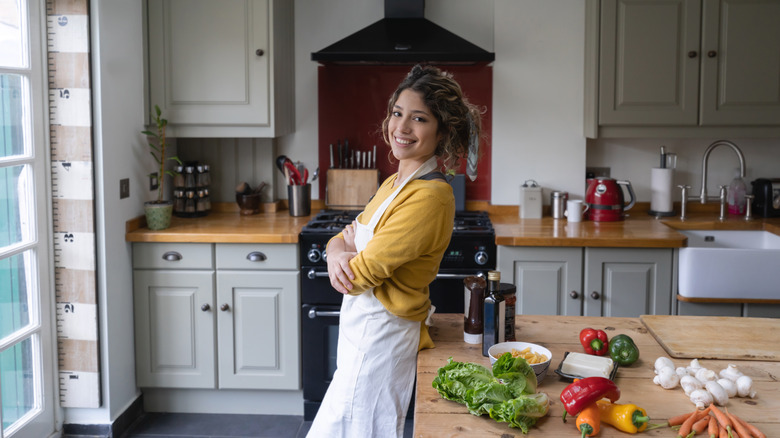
x=403, y=257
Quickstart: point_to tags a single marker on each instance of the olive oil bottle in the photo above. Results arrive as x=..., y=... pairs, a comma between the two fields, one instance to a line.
x=494, y=330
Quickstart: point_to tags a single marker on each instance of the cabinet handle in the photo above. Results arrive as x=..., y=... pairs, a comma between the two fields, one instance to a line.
x=172, y=256
x=574, y=294
x=595, y=295
x=224, y=307
x=712, y=54
x=256, y=256
x=259, y=52
x=205, y=307
x=692, y=54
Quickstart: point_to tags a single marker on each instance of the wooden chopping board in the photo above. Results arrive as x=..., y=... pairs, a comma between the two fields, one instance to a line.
x=716, y=337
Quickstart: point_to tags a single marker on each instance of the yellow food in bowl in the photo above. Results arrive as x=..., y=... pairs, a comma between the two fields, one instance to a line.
x=529, y=356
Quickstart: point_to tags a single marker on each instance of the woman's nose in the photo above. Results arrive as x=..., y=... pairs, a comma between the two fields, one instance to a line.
x=404, y=125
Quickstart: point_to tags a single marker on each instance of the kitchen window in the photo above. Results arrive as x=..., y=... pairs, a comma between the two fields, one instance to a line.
x=26, y=297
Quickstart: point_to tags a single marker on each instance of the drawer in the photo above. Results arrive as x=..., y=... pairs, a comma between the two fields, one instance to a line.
x=257, y=256
x=173, y=256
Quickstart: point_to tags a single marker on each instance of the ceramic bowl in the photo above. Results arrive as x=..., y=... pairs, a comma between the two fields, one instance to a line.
x=540, y=369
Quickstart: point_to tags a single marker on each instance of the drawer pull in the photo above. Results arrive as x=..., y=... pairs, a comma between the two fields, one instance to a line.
x=172, y=256
x=205, y=307
x=574, y=294
x=225, y=307
x=256, y=256
x=595, y=295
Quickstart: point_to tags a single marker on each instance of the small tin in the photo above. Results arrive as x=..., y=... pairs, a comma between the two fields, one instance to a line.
x=558, y=204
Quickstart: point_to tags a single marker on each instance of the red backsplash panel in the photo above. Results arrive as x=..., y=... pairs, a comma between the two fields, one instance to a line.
x=352, y=103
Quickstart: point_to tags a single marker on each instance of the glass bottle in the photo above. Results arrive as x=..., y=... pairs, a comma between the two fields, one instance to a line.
x=494, y=319
x=474, y=300
x=508, y=291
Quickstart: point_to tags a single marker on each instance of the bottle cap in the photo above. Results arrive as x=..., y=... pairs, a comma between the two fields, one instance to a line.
x=494, y=276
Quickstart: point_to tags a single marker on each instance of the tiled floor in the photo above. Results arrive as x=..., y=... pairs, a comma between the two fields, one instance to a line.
x=157, y=425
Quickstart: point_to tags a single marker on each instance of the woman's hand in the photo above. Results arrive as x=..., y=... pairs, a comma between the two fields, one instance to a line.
x=339, y=271
x=349, y=236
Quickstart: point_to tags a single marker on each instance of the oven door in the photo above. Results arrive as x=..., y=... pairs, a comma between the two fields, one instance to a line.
x=319, y=341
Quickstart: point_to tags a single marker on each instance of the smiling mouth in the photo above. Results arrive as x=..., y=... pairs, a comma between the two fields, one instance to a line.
x=403, y=142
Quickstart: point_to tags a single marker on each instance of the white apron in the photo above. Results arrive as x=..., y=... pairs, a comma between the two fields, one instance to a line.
x=376, y=359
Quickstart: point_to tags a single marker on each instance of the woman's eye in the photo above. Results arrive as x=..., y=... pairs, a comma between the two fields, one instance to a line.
x=396, y=114
x=419, y=119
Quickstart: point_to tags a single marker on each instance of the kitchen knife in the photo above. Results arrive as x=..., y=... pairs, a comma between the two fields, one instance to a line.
x=341, y=155
x=331, y=155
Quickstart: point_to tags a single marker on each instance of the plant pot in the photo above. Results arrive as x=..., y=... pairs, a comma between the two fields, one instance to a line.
x=158, y=214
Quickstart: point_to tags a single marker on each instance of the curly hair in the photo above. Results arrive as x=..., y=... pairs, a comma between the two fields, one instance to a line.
x=458, y=119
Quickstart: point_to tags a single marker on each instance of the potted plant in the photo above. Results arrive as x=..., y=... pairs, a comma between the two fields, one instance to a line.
x=158, y=213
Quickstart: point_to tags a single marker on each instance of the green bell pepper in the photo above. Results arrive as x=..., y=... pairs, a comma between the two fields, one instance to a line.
x=623, y=350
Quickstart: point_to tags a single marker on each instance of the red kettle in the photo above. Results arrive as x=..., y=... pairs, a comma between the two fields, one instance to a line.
x=604, y=197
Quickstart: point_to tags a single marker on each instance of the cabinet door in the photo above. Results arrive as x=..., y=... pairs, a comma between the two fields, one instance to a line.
x=205, y=61
x=548, y=280
x=627, y=282
x=174, y=328
x=258, y=329
x=649, y=62
x=741, y=63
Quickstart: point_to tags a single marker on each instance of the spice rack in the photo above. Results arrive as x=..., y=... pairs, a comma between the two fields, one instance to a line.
x=191, y=190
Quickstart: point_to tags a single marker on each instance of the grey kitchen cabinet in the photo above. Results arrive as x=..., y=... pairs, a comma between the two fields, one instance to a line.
x=589, y=281
x=548, y=280
x=681, y=64
x=222, y=68
x=258, y=325
x=173, y=298
x=627, y=282
x=216, y=316
x=753, y=310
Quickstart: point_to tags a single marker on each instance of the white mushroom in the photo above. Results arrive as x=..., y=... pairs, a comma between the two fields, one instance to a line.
x=690, y=384
x=745, y=387
x=663, y=362
x=701, y=398
x=694, y=366
x=705, y=375
x=682, y=372
x=719, y=395
x=731, y=372
x=729, y=386
x=667, y=378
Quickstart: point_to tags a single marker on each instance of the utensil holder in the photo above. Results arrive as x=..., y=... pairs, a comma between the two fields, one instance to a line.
x=299, y=199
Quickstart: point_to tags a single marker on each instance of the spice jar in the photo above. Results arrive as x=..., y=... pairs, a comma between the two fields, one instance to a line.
x=508, y=291
x=178, y=176
x=474, y=296
x=189, y=177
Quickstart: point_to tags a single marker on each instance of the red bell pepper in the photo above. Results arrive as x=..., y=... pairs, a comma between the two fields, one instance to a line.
x=583, y=392
x=594, y=341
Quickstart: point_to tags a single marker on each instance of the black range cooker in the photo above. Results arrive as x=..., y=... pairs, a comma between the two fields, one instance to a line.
x=472, y=251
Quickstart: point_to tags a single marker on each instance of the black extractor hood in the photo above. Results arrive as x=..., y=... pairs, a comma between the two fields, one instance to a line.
x=403, y=36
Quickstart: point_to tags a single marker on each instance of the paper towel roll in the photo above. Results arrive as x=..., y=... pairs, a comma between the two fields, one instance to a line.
x=661, y=183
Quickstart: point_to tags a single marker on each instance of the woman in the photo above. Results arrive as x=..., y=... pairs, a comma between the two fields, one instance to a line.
x=385, y=260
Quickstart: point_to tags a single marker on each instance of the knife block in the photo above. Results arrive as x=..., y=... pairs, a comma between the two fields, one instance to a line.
x=350, y=188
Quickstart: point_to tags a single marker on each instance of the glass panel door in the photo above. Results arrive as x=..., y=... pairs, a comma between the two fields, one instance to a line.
x=26, y=338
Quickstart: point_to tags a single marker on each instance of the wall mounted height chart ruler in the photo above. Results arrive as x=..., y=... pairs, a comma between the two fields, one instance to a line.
x=73, y=210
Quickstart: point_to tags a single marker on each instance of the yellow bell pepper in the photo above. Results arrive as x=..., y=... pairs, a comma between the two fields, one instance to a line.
x=628, y=417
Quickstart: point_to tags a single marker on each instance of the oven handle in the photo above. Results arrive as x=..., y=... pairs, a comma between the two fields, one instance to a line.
x=312, y=274
x=314, y=313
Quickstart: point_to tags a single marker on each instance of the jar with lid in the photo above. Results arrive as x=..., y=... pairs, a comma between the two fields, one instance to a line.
x=189, y=204
x=178, y=176
x=204, y=175
x=558, y=204
x=508, y=291
x=206, y=199
x=189, y=177
x=178, y=201
x=201, y=204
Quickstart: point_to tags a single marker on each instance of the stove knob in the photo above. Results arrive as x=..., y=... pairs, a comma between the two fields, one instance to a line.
x=481, y=257
x=314, y=255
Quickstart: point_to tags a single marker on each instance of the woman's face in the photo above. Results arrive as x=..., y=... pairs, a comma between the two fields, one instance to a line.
x=412, y=128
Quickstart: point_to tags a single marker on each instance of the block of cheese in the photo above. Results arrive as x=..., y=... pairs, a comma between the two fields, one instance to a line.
x=587, y=365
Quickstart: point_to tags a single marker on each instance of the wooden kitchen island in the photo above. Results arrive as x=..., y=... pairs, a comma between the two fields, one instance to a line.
x=435, y=416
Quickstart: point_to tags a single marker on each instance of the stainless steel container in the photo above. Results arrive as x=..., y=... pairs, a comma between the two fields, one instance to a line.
x=558, y=204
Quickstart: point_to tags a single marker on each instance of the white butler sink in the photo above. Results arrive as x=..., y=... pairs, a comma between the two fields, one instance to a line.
x=730, y=264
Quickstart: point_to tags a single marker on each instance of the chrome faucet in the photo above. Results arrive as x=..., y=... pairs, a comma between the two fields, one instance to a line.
x=703, y=194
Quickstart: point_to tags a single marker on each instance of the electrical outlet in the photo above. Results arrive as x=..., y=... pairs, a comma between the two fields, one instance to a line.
x=124, y=188
x=595, y=172
x=154, y=181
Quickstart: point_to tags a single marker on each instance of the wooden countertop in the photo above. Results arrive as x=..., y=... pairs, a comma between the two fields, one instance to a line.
x=639, y=230
x=435, y=416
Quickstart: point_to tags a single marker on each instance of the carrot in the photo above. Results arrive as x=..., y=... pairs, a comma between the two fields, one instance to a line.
x=744, y=428
x=722, y=432
x=723, y=420
x=712, y=427
x=679, y=419
x=687, y=425
x=701, y=424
